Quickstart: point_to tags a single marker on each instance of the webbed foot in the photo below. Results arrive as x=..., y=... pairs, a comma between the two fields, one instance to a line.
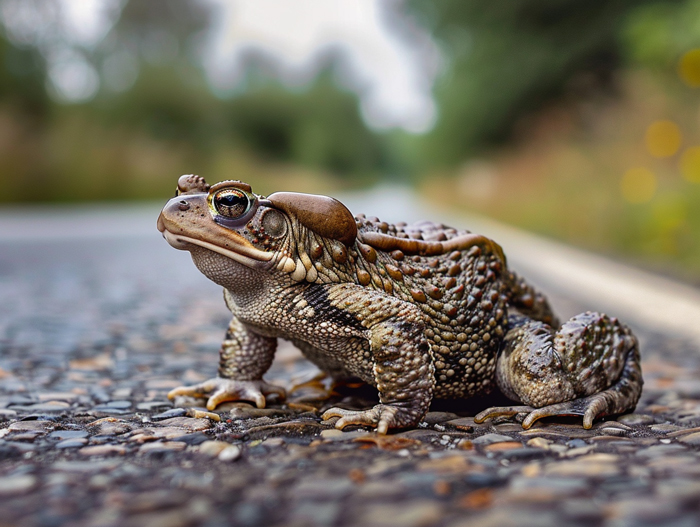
x=219, y=390
x=381, y=416
x=589, y=407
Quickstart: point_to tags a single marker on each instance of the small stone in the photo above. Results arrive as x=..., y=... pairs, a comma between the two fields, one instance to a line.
x=152, y=405
x=104, y=409
x=508, y=427
x=119, y=404
x=94, y=465
x=557, y=430
x=213, y=448
x=230, y=453
x=25, y=436
x=589, y=465
x=683, y=432
x=636, y=419
x=102, y=450
x=109, y=426
x=330, y=435
x=202, y=414
x=465, y=444
x=539, y=442
x=25, y=426
x=611, y=424
x=538, y=432
x=604, y=438
x=67, y=434
x=450, y=464
x=173, y=412
x=613, y=431
x=432, y=418
x=690, y=439
x=50, y=407
x=487, y=439
x=579, y=451
x=162, y=446
x=194, y=438
x=466, y=424
x=71, y=443
x=143, y=435
x=57, y=396
x=331, y=432
x=188, y=423
x=503, y=445
x=12, y=485
x=302, y=407
x=665, y=428
x=388, y=442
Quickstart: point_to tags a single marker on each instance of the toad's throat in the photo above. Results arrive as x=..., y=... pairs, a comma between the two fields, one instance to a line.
x=249, y=256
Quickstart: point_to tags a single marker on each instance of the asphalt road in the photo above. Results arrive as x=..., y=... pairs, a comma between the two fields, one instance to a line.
x=100, y=317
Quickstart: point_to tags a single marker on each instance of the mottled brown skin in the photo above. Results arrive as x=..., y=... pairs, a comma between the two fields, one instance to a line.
x=418, y=311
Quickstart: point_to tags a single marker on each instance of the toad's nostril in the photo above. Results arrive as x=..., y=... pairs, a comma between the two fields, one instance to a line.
x=183, y=205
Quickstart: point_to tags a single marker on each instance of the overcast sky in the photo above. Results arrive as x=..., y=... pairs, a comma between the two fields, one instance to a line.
x=387, y=59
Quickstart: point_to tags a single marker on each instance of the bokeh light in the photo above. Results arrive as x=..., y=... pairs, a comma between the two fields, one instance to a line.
x=638, y=185
x=689, y=68
x=690, y=164
x=663, y=138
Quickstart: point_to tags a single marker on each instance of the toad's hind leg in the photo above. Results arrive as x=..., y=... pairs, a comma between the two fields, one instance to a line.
x=589, y=367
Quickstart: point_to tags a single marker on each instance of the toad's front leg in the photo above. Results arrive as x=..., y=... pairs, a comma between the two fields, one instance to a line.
x=403, y=369
x=244, y=357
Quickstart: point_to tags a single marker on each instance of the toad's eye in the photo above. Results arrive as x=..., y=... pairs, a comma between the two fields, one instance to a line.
x=231, y=202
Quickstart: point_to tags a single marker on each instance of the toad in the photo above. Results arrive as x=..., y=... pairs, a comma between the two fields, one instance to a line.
x=418, y=311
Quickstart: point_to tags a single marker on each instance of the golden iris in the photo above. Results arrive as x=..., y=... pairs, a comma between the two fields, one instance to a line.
x=231, y=203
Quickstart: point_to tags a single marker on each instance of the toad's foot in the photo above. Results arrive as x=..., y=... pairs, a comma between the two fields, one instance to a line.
x=219, y=390
x=589, y=407
x=382, y=416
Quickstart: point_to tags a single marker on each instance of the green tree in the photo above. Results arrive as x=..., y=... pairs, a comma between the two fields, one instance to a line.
x=506, y=58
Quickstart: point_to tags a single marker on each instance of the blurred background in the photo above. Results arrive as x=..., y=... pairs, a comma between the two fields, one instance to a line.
x=578, y=120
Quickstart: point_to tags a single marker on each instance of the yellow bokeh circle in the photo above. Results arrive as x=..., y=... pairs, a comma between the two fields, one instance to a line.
x=663, y=138
x=689, y=68
x=690, y=164
x=638, y=185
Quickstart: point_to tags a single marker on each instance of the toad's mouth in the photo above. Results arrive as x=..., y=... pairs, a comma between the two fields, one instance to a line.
x=249, y=256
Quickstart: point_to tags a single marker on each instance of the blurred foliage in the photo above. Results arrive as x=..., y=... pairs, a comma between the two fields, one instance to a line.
x=22, y=80
x=132, y=140
x=615, y=171
x=508, y=58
